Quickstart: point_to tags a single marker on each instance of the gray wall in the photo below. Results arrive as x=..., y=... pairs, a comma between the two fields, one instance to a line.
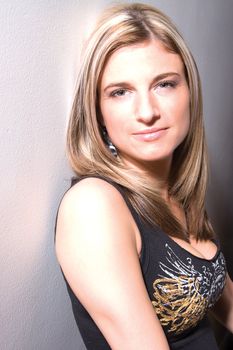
x=40, y=45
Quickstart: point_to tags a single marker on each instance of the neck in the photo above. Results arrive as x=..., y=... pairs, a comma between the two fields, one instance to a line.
x=158, y=176
x=157, y=173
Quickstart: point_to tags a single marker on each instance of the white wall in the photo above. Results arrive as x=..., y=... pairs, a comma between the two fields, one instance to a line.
x=40, y=45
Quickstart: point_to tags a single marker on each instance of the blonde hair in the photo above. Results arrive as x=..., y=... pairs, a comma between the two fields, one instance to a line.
x=120, y=26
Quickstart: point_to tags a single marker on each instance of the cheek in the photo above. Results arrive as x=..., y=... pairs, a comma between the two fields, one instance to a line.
x=109, y=120
x=112, y=121
x=179, y=112
x=185, y=119
x=186, y=111
x=114, y=115
x=181, y=108
x=107, y=113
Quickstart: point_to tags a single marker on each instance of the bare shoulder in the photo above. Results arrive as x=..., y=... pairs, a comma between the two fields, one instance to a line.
x=94, y=223
x=91, y=188
x=97, y=251
x=91, y=198
x=93, y=210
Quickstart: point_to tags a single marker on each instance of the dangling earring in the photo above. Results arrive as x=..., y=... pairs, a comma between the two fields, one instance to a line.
x=108, y=142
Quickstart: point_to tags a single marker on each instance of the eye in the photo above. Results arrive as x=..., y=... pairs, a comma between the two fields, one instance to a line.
x=119, y=93
x=167, y=84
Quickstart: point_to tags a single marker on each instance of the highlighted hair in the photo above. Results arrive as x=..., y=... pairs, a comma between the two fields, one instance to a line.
x=120, y=26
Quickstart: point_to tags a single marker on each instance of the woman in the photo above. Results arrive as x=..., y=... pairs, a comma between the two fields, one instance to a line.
x=139, y=256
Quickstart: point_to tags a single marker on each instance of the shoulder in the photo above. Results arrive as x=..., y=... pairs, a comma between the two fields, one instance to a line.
x=97, y=250
x=92, y=186
x=89, y=196
x=93, y=224
x=93, y=210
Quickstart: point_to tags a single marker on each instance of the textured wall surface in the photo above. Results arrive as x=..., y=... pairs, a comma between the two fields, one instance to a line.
x=40, y=43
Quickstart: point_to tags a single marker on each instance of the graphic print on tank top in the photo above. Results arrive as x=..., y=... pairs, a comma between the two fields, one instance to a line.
x=184, y=291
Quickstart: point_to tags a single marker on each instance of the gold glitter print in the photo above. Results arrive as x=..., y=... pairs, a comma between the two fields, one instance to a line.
x=182, y=294
x=173, y=308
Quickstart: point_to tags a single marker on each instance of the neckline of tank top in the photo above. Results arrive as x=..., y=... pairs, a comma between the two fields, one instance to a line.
x=175, y=244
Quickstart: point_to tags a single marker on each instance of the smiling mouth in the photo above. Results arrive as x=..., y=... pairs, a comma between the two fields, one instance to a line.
x=150, y=134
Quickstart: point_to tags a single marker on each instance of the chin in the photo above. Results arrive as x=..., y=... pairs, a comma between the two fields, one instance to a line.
x=157, y=157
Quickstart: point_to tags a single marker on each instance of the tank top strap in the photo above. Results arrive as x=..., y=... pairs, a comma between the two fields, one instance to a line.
x=122, y=191
x=119, y=188
x=144, y=254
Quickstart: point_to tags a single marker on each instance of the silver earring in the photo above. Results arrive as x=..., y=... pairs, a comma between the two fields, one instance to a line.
x=108, y=142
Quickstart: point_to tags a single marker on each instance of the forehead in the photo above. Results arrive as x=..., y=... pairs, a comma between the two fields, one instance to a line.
x=141, y=59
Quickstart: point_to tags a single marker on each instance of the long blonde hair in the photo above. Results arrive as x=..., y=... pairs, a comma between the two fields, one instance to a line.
x=120, y=26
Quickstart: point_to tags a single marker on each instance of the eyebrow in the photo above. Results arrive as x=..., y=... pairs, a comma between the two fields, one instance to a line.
x=156, y=79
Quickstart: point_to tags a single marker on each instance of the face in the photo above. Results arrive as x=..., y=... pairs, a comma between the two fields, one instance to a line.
x=144, y=101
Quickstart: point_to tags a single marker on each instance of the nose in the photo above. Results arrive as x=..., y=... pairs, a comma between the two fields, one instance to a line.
x=146, y=108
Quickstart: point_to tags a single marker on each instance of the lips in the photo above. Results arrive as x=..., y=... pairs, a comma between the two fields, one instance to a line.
x=150, y=134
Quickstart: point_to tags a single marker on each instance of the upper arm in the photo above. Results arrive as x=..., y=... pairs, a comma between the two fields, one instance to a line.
x=97, y=250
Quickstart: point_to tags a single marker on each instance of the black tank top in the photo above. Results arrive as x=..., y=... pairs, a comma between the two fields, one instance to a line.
x=182, y=288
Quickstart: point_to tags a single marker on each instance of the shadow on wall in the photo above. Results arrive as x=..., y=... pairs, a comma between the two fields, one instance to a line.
x=221, y=214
